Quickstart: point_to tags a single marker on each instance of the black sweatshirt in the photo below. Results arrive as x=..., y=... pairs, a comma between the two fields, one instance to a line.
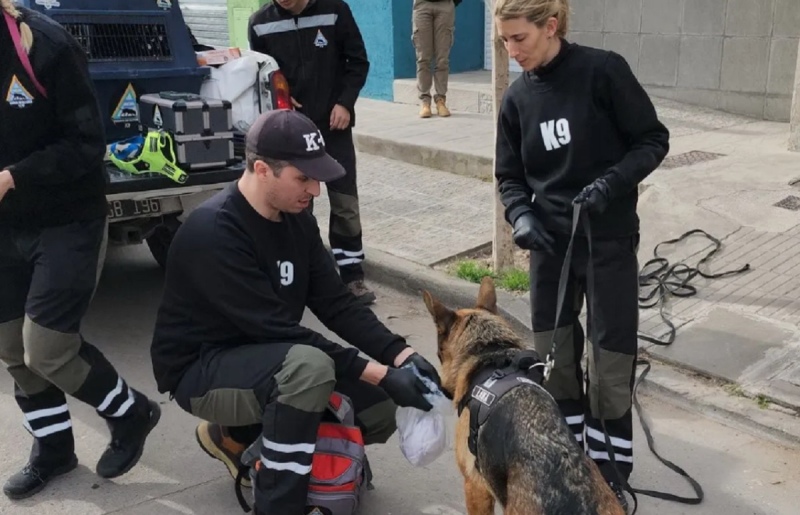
x=237, y=278
x=560, y=127
x=53, y=146
x=321, y=52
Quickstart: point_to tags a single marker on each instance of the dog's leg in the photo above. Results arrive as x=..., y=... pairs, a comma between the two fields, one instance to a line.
x=479, y=498
x=607, y=503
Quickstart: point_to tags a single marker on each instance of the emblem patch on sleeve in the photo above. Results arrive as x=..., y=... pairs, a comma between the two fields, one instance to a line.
x=17, y=95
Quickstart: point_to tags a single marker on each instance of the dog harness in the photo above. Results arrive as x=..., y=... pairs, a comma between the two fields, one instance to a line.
x=493, y=381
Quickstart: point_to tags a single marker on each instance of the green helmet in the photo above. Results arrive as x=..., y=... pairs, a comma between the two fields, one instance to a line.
x=153, y=153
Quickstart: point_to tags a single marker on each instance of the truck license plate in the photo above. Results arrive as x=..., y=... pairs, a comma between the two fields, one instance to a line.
x=127, y=208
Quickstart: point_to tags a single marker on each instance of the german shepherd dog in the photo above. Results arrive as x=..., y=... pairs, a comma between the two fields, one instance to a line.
x=530, y=462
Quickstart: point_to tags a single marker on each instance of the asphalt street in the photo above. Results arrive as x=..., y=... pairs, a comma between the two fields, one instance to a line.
x=741, y=473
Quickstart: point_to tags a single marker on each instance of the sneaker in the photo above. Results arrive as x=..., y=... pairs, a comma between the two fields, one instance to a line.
x=441, y=108
x=360, y=290
x=128, y=435
x=620, y=493
x=215, y=440
x=35, y=476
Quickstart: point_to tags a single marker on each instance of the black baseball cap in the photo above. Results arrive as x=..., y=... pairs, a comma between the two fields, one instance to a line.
x=291, y=136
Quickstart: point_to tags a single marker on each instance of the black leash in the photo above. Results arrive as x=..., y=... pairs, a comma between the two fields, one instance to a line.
x=665, y=280
x=580, y=216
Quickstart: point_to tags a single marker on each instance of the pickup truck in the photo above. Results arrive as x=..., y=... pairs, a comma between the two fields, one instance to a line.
x=151, y=207
x=148, y=44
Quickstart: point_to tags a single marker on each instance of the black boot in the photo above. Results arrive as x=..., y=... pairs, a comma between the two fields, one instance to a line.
x=128, y=435
x=44, y=464
x=48, y=420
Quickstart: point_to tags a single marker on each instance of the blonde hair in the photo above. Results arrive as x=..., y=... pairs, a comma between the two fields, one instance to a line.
x=535, y=11
x=25, y=31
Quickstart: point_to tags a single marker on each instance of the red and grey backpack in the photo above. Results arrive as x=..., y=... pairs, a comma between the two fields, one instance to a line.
x=340, y=472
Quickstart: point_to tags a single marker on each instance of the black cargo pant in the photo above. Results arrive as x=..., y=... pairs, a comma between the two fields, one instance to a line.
x=279, y=392
x=47, y=280
x=612, y=325
x=344, y=225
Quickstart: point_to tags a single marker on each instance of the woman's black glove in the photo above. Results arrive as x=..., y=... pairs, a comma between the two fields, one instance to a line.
x=405, y=388
x=424, y=367
x=595, y=196
x=529, y=234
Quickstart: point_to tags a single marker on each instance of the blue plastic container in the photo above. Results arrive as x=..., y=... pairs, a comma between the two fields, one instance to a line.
x=134, y=47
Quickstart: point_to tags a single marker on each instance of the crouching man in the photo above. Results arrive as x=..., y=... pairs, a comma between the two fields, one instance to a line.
x=228, y=343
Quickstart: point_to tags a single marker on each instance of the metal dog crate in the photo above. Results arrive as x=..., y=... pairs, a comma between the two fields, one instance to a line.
x=134, y=47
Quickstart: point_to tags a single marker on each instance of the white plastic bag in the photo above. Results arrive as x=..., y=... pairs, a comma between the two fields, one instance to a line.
x=424, y=434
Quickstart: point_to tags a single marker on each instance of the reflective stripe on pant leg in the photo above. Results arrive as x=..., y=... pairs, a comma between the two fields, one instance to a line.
x=345, y=232
x=614, y=312
x=47, y=419
x=291, y=421
x=44, y=407
x=565, y=383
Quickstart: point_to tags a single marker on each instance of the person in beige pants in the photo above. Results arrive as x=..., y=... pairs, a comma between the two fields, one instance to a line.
x=433, y=28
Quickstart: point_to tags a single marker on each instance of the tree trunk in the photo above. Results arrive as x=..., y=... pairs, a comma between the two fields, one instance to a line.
x=502, y=244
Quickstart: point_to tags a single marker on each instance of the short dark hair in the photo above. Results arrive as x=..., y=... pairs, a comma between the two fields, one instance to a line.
x=276, y=165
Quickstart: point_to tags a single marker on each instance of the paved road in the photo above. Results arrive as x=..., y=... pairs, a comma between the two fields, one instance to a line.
x=741, y=474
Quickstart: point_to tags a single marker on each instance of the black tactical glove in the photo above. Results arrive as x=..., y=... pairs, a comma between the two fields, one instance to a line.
x=425, y=368
x=531, y=235
x=595, y=196
x=405, y=388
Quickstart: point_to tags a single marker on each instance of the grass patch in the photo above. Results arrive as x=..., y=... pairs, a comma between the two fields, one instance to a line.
x=513, y=279
x=472, y=271
x=737, y=391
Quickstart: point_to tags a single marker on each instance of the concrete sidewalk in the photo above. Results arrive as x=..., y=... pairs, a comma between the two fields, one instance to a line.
x=728, y=175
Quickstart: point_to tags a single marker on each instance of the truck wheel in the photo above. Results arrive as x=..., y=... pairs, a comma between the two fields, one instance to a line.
x=161, y=239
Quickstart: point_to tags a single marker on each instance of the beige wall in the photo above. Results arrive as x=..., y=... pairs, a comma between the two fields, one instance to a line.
x=736, y=55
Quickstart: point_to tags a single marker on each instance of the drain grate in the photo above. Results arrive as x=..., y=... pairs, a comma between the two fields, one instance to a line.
x=791, y=203
x=688, y=159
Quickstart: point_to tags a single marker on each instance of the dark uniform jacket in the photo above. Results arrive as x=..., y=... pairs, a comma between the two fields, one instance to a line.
x=560, y=127
x=54, y=146
x=320, y=51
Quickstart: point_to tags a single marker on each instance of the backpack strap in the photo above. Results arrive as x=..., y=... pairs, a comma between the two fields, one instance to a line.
x=341, y=407
x=23, y=57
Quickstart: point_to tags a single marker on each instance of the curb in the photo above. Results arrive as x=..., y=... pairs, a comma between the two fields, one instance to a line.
x=697, y=393
x=684, y=388
x=459, y=163
x=412, y=278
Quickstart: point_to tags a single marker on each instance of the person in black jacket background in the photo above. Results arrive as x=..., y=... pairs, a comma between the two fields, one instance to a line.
x=577, y=127
x=319, y=48
x=52, y=235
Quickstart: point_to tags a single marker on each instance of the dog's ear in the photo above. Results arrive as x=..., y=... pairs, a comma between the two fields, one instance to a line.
x=442, y=315
x=487, y=296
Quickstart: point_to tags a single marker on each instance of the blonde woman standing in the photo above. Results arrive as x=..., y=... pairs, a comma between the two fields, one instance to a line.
x=52, y=233
x=577, y=127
